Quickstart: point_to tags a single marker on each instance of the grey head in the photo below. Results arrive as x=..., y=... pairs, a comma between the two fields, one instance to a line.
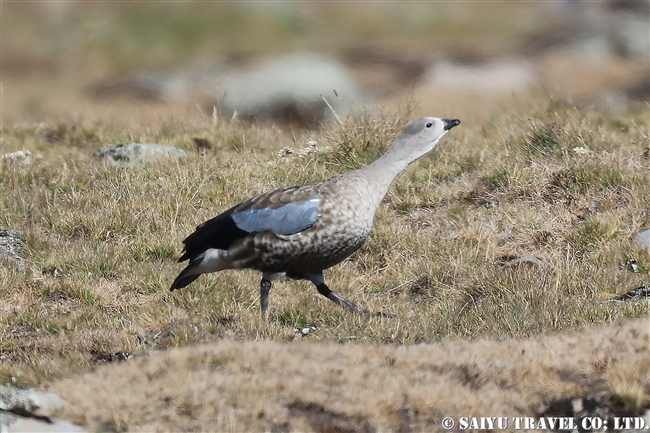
x=427, y=131
x=419, y=138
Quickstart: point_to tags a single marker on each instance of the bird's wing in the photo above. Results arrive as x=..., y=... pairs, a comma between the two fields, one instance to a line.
x=284, y=211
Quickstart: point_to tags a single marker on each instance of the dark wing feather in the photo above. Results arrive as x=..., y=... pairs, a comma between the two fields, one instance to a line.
x=218, y=232
x=285, y=211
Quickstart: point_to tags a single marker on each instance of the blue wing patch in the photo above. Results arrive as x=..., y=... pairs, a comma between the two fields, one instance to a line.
x=288, y=219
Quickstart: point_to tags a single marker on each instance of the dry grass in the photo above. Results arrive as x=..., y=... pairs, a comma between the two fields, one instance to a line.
x=271, y=386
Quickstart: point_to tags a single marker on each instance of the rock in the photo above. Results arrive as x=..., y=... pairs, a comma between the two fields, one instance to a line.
x=27, y=410
x=55, y=425
x=631, y=265
x=289, y=89
x=11, y=245
x=30, y=400
x=641, y=293
x=643, y=239
x=138, y=152
x=526, y=260
x=18, y=158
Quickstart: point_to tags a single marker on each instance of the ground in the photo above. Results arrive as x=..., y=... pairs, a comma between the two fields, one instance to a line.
x=541, y=176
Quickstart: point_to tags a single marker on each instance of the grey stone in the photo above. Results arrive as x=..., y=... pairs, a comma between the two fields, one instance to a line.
x=126, y=153
x=643, y=239
x=33, y=425
x=526, y=260
x=289, y=89
x=12, y=243
x=29, y=399
x=27, y=410
x=641, y=293
x=19, y=158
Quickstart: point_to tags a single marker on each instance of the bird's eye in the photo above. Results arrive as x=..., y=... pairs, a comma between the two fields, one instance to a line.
x=429, y=125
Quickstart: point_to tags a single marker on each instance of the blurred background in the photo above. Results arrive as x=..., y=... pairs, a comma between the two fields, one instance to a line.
x=84, y=61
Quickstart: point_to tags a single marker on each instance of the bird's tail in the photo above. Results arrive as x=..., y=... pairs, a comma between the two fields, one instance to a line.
x=186, y=276
x=212, y=260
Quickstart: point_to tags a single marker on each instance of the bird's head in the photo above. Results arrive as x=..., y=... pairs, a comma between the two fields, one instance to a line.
x=422, y=135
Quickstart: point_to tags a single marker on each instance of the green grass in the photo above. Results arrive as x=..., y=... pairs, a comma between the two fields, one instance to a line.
x=102, y=241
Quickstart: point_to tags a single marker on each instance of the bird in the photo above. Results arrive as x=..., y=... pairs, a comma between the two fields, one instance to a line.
x=299, y=231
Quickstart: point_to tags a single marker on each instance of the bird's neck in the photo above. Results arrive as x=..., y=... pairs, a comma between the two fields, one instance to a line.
x=401, y=154
x=384, y=170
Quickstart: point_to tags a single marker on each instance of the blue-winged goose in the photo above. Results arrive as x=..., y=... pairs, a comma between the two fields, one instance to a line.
x=299, y=231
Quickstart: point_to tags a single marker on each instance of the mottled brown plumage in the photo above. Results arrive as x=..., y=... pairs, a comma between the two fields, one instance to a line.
x=299, y=231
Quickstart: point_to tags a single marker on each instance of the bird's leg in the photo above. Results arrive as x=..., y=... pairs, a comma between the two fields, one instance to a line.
x=319, y=282
x=325, y=291
x=265, y=288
